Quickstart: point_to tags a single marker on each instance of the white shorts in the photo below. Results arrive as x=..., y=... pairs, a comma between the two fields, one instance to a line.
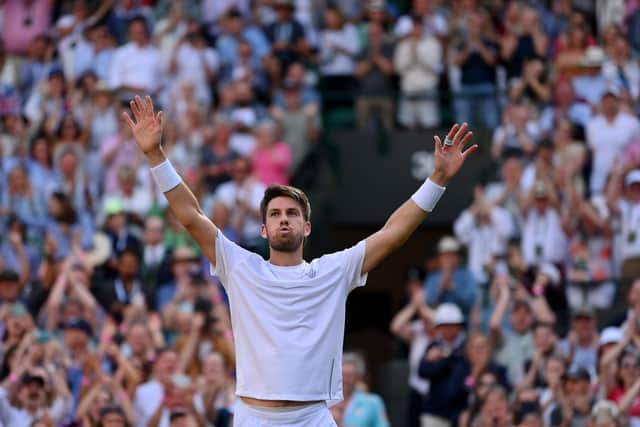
x=314, y=415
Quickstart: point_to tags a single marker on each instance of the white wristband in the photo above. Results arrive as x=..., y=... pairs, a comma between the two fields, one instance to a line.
x=165, y=176
x=428, y=195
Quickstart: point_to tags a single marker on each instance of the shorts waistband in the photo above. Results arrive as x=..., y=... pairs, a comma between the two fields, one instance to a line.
x=282, y=414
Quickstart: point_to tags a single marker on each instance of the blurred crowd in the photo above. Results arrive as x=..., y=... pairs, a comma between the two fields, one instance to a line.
x=528, y=315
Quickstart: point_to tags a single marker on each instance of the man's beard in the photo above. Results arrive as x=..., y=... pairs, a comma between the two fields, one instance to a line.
x=288, y=244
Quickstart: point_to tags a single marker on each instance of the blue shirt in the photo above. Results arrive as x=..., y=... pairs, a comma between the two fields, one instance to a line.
x=365, y=410
x=463, y=292
x=227, y=46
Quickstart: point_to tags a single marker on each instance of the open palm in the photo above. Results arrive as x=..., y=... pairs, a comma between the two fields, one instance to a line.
x=450, y=158
x=147, y=128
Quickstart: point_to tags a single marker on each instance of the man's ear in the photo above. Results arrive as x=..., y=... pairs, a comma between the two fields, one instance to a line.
x=307, y=228
x=263, y=231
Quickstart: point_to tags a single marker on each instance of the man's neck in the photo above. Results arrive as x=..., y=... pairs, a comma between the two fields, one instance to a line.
x=286, y=259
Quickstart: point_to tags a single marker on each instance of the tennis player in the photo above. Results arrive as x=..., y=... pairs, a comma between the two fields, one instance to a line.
x=288, y=315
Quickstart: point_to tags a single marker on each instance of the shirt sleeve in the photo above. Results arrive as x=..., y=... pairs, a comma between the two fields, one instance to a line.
x=228, y=256
x=350, y=261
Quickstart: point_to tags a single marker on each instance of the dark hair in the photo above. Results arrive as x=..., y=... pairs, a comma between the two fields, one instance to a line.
x=67, y=212
x=112, y=409
x=296, y=194
x=140, y=19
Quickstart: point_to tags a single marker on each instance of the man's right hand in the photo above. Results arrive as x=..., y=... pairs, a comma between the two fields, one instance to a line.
x=147, y=129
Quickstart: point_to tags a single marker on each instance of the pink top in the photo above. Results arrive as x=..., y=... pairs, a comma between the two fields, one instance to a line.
x=271, y=165
x=23, y=22
x=126, y=153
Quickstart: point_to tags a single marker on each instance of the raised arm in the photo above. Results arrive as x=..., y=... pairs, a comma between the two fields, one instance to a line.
x=147, y=130
x=403, y=222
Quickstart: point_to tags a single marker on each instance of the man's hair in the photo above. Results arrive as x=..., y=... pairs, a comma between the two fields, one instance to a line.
x=297, y=195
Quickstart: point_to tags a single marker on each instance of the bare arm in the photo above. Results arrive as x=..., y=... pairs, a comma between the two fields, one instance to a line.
x=147, y=131
x=403, y=222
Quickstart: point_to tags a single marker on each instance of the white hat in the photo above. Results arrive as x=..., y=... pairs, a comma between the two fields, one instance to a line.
x=611, y=335
x=448, y=244
x=632, y=177
x=100, y=250
x=448, y=314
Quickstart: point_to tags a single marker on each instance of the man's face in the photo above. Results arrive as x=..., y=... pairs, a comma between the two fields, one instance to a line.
x=544, y=338
x=448, y=332
x=285, y=227
x=138, y=33
x=349, y=375
x=633, y=192
x=75, y=339
x=521, y=319
x=584, y=327
x=32, y=395
x=610, y=105
x=448, y=260
x=166, y=366
x=153, y=231
x=128, y=266
x=9, y=291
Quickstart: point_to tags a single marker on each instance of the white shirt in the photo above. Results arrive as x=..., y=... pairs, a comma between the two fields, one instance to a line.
x=419, y=70
x=11, y=416
x=136, y=66
x=629, y=229
x=192, y=65
x=417, y=349
x=149, y=397
x=484, y=240
x=630, y=70
x=607, y=141
x=334, y=62
x=543, y=233
x=288, y=322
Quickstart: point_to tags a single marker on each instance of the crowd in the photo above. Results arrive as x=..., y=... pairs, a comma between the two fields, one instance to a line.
x=108, y=313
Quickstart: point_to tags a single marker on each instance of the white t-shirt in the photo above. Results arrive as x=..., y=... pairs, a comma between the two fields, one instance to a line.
x=137, y=66
x=543, y=239
x=149, y=397
x=607, y=141
x=288, y=322
x=417, y=349
x=629, y=229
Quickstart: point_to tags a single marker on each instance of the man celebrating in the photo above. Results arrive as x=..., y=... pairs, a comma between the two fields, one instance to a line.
x=288, y=315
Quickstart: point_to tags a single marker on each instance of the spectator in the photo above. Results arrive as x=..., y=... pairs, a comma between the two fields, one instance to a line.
x=339, y=47
x=24, y=22
x=625, y=209
x=167, y=392
x=565, y=105
x=580, y=346
x=612, y=125
x=575, y=399
x=476, y=56
x=271, y=159
x=452, y=282
x=241, y=197
x=415, y=333
x=216, y=156
x=361, y=409
x=517, y=134
x=622, y=70
x=444, y=367
x=136, y=67
x=434, y=23
x=485, y=229
x=543, y=239
x=287, y=36
x=417, y=60
x=374, y=70
x=522, y=42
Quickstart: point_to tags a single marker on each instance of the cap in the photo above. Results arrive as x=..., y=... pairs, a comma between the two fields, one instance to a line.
x=79, y=325
x=604, y=410
x=102, y=87
x=113, y=206
x=583, y=311
x=611, y=335
x=578, y=373
x=184, y=253
x=448, y=244
x=7, y=275
x=613, y=90
x=632, y=177
x=375, y=5
x=540, y=190
x=28, y=378
x=448, y=314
